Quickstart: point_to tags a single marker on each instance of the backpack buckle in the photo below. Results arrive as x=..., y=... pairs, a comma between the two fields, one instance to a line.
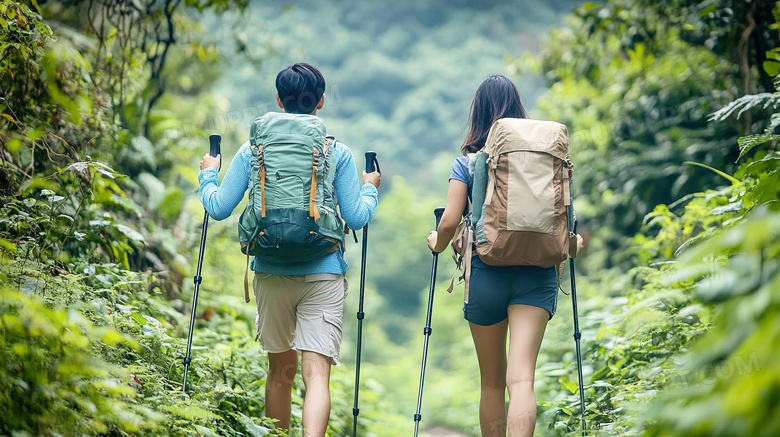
x=315, y=159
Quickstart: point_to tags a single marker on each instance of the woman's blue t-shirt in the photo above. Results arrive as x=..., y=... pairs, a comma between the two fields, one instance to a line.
x=460, y=170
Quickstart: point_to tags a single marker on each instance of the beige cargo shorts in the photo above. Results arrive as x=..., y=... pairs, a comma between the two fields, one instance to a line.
x=302, y=313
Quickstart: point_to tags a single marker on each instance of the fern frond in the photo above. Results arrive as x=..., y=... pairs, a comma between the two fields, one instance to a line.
x=744, y=103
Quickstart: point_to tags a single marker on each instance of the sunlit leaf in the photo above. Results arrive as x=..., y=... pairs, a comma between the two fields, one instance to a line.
x=79, y=167
x=724, y=209
x=103, y=169
x=749, y=142
x=772, y=67
x=205, y=431
x=708, y=10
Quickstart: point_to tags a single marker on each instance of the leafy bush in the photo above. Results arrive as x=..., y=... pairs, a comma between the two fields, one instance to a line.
x=694, y=332
x=634, y=80
x=50, y=379
x=108, y=358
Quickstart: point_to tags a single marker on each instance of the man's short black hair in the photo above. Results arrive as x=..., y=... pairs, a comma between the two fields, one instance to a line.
x=300, y=87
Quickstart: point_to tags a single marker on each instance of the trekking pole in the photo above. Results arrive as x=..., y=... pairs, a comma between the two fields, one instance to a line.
x=577, y=336
x=572, y=218
x=372, y=165
x=427, y=331
x=214, y=140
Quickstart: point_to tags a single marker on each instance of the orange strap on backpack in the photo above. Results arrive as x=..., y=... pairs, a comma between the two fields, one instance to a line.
x=315, y=163
x=313, y=190
x=262, y=186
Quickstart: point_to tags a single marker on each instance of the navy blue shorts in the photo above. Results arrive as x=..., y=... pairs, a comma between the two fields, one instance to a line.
x=494, y=288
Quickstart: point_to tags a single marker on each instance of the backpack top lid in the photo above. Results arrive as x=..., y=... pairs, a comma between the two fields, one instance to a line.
x=526, y=135
x=282, y=127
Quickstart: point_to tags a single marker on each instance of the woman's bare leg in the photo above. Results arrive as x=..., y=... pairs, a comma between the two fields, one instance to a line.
x=526, y=329
x=490, y=344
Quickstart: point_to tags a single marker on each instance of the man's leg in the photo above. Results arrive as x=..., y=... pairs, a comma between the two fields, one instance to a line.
x=315, y=369
x=278, y=386
x=318, y=337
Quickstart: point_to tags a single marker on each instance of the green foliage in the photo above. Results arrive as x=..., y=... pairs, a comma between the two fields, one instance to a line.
x=686, y=330
x=73, y=103
x=93, y=348
x=97, y=181
x=633, y=80
x=694, y=333
x=51, y=380
x=732, y=369
x=103, y=358
x=744, y=104
x=55, y=228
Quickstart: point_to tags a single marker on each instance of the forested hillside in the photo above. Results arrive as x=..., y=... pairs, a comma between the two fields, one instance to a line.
x=401, y=74
x=400, y=80
x=105, y=108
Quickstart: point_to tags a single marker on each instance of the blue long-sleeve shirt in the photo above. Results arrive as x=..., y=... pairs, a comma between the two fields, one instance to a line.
x=357, y=204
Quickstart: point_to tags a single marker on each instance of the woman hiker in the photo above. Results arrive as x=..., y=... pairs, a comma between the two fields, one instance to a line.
x=520, y=299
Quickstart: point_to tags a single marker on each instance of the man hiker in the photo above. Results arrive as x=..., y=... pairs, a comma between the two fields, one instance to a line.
x=299, y=304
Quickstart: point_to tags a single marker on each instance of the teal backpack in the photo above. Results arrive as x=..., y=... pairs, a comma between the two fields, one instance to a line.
x=291, y=215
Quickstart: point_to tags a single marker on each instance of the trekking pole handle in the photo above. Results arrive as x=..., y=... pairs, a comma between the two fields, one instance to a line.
x=215, y=141
x=370, y=160
x=437, y=213
x=372, y=164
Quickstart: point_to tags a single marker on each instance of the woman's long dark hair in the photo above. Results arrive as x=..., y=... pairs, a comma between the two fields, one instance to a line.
x=496, y=98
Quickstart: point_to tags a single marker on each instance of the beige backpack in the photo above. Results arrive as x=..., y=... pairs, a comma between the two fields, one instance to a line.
x=524, y=181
